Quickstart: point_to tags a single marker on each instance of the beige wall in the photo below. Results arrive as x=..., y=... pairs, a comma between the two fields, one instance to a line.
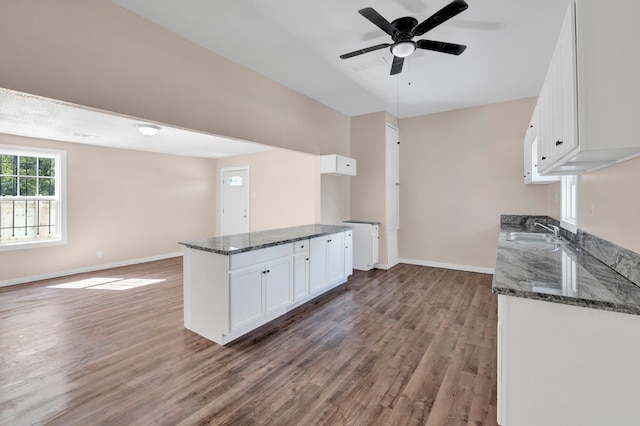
x=609, y=204
x=97, y=54
x=368, y=188
x=128, y=204
x=286, y=185
x=459, y=171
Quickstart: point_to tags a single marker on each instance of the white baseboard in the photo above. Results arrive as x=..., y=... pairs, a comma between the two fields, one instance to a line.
x=466, y=268
x=92, y=268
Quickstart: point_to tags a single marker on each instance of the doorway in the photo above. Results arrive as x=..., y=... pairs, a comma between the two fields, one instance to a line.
x=235, y=201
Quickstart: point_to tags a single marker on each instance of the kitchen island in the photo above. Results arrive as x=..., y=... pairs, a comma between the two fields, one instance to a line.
x=568, y=334
x=237, y=283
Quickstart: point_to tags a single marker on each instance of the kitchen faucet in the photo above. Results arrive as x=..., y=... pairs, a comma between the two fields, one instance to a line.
x=552, y=228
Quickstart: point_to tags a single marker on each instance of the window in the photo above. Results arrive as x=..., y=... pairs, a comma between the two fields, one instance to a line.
x=570, y=203
x=235, y=181
x=31, y=197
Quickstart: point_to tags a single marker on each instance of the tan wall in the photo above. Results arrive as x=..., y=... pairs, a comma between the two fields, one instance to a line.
x=286, y=185
x=100, y=55
x=368, y=188
x=609, y=204
x=459, y=171
x=128, y=204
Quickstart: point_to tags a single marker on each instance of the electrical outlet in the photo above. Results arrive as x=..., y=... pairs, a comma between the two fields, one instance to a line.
x=99, y=254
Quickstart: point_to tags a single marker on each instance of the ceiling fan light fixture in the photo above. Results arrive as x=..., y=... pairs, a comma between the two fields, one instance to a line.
x=148, y=129
x=402, y=49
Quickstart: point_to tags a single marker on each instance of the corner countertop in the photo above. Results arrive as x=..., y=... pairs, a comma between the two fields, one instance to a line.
x=545, y=271
x=234, y=244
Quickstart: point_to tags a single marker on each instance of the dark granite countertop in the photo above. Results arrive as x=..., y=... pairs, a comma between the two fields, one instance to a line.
x=233, y=244
x=560, y=273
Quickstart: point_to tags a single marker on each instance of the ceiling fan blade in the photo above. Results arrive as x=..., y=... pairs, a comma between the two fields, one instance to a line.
x=441, y=46
x=396, y=66
x=377, y=19
x=444, y=14
x=365, y=50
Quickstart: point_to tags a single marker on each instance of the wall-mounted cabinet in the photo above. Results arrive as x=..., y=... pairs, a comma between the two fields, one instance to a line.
x=337, y=165
x=531, y=175
x=589, y=101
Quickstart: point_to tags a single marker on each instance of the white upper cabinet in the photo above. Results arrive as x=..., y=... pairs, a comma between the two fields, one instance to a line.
x=591, y=95
x=531, y=141
x=337, y=165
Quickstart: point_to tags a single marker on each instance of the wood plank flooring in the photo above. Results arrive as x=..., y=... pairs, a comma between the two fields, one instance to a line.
x=409, y=346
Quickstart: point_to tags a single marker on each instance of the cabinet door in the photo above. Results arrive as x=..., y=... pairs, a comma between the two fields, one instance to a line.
x=348, y=258
x=278, y=284
x=300, y=276
x=246, y=296
x=335, y=261
x=318, y=264
x=567, y=76
x=375, y=239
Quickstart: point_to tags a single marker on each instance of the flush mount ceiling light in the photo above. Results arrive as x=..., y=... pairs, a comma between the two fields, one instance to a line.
x=403, y=49
x=148, y=129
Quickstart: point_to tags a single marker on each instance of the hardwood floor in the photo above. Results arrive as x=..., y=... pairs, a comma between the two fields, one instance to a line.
x=413, y=345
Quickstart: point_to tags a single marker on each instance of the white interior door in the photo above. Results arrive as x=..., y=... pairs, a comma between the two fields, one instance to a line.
x=235, y=201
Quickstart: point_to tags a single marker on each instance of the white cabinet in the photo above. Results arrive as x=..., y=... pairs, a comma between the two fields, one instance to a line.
x=559, y=121
x=227, y=296
x=327, y=261
x=301, y=271
x=365, y=242
x=531, y=143
x=337, y=165
x=348, y=253
x=589, y=101
x=278, y=279
x=566, y=365
x=259, y=290
x=245, y=296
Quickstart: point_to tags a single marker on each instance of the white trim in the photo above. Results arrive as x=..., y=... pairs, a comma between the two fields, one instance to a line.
x=466, y=268
x=92, y=268
x=222, y=172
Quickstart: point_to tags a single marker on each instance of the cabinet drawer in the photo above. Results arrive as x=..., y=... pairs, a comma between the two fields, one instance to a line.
x=259, y=256
x=301, y=246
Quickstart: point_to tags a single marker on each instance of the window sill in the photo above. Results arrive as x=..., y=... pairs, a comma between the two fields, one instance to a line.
x=23, y=245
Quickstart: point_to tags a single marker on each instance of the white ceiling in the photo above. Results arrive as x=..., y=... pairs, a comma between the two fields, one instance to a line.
x=298, y=43
x=37, y=117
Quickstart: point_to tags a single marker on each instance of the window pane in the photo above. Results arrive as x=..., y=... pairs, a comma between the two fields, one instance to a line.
x=47, y=167
x=28, y=186
x=235, y=181
x=46, y=186
x=28, y=166
x=8, y=186
x=8, y=164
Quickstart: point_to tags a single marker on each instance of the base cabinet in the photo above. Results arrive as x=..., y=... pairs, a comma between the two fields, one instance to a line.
x=300, y=276
x=246, y=296
x=225, y=297
x=327, y=261
x=564, y=365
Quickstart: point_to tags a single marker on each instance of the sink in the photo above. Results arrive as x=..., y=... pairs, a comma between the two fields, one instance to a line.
x=533, y=237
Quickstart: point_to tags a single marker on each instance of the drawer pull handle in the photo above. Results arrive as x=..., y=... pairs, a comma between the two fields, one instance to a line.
x=558, y=143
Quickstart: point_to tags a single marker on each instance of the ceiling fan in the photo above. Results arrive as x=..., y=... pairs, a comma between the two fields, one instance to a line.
x=403, y=30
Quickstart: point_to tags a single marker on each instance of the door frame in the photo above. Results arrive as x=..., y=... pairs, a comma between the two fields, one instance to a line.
x=231, y=169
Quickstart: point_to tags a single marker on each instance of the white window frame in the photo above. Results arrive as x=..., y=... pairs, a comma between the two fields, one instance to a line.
x=61, y=192
x=569, y=203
